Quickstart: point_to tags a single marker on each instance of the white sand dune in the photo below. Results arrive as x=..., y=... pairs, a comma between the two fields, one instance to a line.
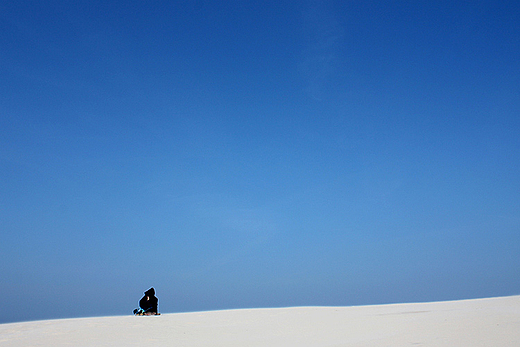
x=482, y=322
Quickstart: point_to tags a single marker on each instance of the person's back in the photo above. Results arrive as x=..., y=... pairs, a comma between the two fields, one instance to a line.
x=148, y=304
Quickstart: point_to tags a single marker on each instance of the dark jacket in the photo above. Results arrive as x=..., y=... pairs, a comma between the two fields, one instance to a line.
x=149, y=302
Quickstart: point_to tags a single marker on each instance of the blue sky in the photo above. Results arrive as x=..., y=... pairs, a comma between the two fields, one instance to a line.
x=256, y=154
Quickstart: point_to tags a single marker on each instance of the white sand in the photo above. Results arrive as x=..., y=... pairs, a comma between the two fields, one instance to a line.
x=483, y=322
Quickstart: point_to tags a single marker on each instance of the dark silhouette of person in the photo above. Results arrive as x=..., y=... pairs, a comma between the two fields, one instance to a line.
x=148, y=303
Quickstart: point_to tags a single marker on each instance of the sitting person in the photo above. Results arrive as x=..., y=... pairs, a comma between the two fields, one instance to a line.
x=148, y=304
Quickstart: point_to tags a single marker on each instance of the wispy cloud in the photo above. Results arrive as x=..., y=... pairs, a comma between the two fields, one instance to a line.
x=322, y=40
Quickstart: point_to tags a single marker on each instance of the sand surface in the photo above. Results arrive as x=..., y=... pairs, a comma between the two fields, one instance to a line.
x=482, y=322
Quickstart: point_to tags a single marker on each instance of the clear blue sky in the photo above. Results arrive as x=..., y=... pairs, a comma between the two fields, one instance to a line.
x=241, y=154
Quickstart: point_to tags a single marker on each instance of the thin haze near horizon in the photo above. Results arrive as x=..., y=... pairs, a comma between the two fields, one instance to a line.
x=245, y=154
